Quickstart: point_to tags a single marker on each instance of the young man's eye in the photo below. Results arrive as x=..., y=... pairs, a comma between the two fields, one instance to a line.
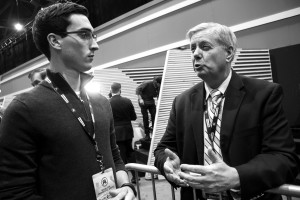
x=85, y=34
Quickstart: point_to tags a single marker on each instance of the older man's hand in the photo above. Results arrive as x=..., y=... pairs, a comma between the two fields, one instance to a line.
x=172, y=168
x=216, y=177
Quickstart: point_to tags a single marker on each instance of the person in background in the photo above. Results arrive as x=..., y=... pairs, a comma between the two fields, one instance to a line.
x=227, y=135
x=124, y=113
x=146, y=92
x=36, y=76
x=1, y=113
x=57, y=140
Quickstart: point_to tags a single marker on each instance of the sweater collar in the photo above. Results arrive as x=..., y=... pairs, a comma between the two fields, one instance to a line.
x=61, y=82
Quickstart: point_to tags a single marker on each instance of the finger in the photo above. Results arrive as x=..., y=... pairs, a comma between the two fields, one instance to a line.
x=200, y=169
x=184, y=184
x=118, y=193
x=191, y=177
x=178, y=181
x=168, y=169
x=195, y=185
x=170, y=154
x=114, y=192
x=172, y=178
x=214, y=157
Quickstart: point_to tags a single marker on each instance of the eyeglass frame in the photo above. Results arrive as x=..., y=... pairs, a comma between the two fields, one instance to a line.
x=93, y=36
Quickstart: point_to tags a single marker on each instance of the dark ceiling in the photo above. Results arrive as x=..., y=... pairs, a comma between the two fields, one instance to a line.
x=18, y=47
x=12, y=11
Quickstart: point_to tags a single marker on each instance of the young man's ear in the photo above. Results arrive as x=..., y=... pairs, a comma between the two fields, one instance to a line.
x=230, y=54
x=54, y=41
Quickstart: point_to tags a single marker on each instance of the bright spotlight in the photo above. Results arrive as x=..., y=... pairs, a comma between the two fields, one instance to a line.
x=93, y=87
x=18, y=26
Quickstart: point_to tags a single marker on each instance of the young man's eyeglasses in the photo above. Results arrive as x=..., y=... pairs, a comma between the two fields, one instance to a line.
x=85, y=35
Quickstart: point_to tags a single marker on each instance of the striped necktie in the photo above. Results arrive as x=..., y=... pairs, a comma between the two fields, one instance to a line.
x=214, y=105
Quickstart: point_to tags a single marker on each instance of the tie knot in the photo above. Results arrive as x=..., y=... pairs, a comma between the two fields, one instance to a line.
x=215, y=95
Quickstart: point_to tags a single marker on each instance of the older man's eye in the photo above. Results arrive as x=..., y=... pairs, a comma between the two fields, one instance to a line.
x=193, y=48
x=205, y=47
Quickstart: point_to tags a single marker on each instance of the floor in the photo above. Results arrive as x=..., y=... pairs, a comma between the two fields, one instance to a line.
x=163, y=190
x=162, y=187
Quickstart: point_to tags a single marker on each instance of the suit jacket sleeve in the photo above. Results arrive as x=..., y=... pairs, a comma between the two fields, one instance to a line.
x=132, y=112
x=18, y=154
x=277, y=163
x=167, y=141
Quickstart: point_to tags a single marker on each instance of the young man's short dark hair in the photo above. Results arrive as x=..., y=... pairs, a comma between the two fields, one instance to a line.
x=53, y=19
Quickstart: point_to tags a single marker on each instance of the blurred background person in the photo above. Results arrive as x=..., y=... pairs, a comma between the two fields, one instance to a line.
x=124, y=113
x=146, y=92
x=1, y=113
x=36, y=76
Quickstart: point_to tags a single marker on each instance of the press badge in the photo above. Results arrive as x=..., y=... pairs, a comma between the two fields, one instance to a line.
x=103, y=183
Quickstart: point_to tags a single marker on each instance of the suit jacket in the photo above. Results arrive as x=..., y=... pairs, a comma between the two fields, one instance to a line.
x=255, y=136
x=124, y=113
x=45, y=152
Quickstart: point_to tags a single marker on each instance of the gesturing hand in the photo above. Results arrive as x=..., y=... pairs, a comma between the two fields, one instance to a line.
x=172, y=168
x=141, y=101
x=123, y=193
x=211, y=178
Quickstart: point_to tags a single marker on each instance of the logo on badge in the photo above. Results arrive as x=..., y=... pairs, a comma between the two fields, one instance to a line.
x=104, y=181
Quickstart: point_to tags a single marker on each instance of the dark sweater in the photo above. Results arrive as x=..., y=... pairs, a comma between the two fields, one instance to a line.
x=45, y=152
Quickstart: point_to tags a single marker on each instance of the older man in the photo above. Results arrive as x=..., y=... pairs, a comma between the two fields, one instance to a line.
x=229, y=132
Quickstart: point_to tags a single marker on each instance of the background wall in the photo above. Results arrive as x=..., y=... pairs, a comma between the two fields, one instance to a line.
x=286, y=71
x=170, y=28
x=173, y=27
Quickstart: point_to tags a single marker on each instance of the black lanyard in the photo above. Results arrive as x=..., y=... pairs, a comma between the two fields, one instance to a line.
x=212, y=125
x=99, y=156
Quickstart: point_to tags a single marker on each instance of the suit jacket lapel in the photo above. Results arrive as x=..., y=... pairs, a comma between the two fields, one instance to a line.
x=197, y=104
x=233, y=98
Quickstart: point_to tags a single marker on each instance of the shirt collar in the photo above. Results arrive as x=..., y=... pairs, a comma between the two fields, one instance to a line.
x=222, y=88
x=115, y=94
x=61, y=82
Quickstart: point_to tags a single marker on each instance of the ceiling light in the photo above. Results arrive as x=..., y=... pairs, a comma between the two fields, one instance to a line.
x=18, y=26
x=93, y=87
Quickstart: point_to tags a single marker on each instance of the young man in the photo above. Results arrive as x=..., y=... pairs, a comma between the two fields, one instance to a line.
x=228, y=134
x=56, y=139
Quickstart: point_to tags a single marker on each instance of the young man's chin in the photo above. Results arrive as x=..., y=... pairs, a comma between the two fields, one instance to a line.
x=87, y=67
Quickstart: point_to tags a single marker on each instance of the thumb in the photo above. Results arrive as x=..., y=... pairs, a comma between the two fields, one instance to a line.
x=114, y=192
x=214, y=157
x=170, y=154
